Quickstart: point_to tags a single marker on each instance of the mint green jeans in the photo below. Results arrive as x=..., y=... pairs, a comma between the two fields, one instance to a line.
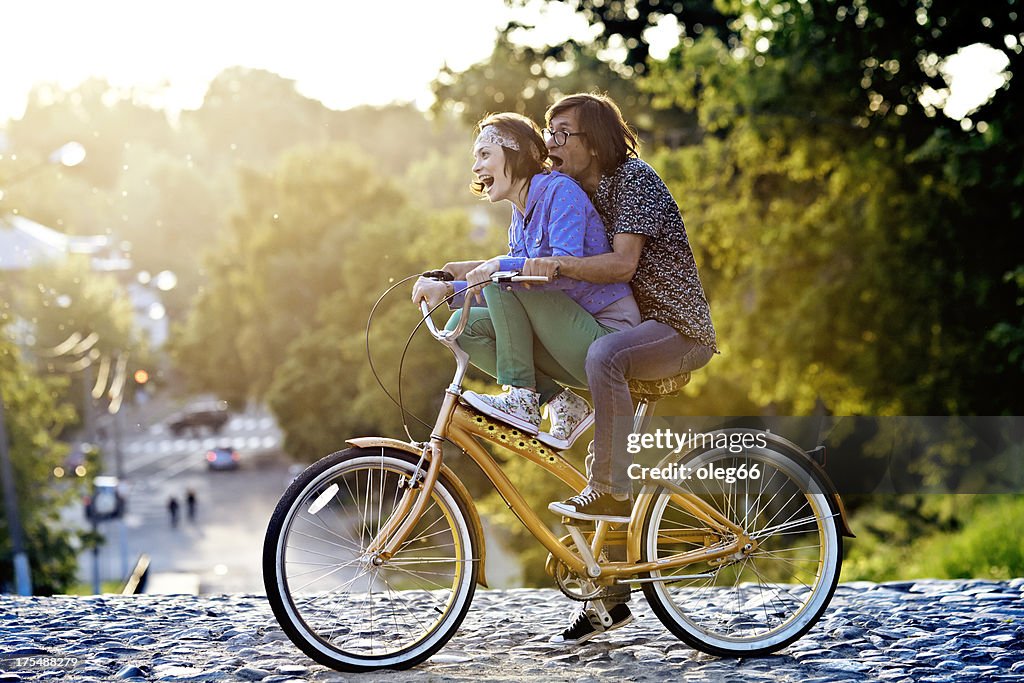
x=530, y=338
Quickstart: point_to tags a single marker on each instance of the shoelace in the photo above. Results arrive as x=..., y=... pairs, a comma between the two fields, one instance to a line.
x=582, y=618
x=585, y=497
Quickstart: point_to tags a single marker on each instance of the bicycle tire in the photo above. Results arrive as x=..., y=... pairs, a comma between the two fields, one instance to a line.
x=764, y=601
x=318, y=529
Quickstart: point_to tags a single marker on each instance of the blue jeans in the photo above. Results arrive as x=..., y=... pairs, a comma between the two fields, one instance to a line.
x=649, y=351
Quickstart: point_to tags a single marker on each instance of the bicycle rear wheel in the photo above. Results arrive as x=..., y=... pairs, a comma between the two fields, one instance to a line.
x=331, y=600
x=747, y=604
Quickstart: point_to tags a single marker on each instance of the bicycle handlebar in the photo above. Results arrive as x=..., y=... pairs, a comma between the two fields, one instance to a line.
x=451, y=335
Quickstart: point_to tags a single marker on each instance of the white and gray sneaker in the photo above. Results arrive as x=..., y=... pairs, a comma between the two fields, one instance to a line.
x=570, y=416
x=518, y=407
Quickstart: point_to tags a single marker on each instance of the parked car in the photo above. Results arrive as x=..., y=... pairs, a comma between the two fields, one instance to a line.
x=222, y=458
x=212, y=415
x=106, y=501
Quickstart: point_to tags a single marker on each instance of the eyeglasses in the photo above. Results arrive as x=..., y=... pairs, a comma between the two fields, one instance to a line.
x=559, y=136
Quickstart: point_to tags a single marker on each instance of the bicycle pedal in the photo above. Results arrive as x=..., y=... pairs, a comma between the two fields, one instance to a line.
x=602, y=613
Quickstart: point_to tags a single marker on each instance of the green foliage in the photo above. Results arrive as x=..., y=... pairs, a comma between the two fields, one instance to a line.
x=163, y=190
x=34, y=416
x=860, y=250
x=106, y=587
x=106, y=120
x=526, y=80
x=949, y=537
x=623, y=25
x=832, y=208
x=252, y=116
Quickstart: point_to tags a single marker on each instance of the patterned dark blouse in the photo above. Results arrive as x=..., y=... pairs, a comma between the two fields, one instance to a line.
x=667, y=288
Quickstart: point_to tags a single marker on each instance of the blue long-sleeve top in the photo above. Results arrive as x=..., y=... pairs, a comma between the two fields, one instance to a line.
x=560, y=220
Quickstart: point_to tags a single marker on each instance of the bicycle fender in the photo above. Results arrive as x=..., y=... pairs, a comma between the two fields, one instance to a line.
x=474, y=516
x=830, y=488
x=647, y=493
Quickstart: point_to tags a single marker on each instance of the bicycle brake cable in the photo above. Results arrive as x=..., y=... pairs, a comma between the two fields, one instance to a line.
x=369, y=356
x=401, y=362
x=373, y=369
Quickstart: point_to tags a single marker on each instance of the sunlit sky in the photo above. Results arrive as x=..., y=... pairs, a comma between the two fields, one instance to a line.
x=342, y=52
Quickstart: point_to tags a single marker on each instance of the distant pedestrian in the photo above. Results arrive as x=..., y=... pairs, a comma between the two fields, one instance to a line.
x=190, y=504
x=172, y=507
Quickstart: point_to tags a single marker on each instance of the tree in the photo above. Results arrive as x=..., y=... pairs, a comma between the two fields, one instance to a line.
x=283, y=255
x=624, y=23
x=104, y=119
x=34, y=415
x=528, y=80
x=853, y=195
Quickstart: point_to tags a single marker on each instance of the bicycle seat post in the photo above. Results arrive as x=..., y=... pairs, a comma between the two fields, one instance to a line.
x=649, y=392
x=643, y=414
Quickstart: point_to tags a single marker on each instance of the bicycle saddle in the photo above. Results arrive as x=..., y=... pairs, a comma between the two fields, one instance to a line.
x=654, y=389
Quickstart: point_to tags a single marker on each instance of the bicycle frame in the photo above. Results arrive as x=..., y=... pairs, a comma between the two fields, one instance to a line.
x=464, y=426
x=382, y=574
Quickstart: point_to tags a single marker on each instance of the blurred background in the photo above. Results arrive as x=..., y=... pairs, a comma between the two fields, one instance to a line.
x=199, y=204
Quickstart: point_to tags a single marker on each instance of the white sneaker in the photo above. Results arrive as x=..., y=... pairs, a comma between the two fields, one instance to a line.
x=518, y=407
x=570, y=417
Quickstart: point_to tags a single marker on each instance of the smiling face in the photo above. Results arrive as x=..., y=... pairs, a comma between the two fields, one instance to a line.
x=489, y=166
x=574, y=158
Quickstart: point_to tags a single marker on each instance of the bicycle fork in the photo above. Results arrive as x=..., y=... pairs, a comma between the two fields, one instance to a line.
x=418, y=488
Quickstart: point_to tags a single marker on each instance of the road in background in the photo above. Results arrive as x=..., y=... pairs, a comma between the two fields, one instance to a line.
x=222, y=546
x=221, y=549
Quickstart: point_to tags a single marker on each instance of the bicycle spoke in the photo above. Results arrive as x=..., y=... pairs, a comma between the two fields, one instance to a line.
x=345, y=601
x=762, y=596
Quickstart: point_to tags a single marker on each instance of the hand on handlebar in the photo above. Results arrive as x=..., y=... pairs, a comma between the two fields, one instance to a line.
x=480, y=276
x=428, y=293
x=460, y=268
x=545, y=266
x=431, y=291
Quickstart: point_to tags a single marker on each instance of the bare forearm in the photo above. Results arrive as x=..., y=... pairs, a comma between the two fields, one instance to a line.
x=618, y=265
x=601, y=269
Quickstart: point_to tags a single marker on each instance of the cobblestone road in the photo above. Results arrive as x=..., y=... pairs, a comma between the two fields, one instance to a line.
x=947, y=631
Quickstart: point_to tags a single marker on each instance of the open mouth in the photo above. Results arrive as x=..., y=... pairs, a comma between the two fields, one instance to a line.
x=486, y=180
x=556, y=161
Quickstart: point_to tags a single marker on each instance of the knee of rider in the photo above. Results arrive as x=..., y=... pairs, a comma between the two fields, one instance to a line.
x=602, y=359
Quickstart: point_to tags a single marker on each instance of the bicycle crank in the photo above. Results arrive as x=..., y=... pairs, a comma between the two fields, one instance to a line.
x=574, y=586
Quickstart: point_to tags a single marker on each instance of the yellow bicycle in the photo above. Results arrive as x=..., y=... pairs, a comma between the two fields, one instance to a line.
x=373, y=553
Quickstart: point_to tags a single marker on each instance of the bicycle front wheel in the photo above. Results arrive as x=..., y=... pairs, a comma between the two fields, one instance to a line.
x=751, y=603
x=334, y=603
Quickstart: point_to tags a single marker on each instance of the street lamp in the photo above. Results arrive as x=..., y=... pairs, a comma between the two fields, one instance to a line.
x=70, y=154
